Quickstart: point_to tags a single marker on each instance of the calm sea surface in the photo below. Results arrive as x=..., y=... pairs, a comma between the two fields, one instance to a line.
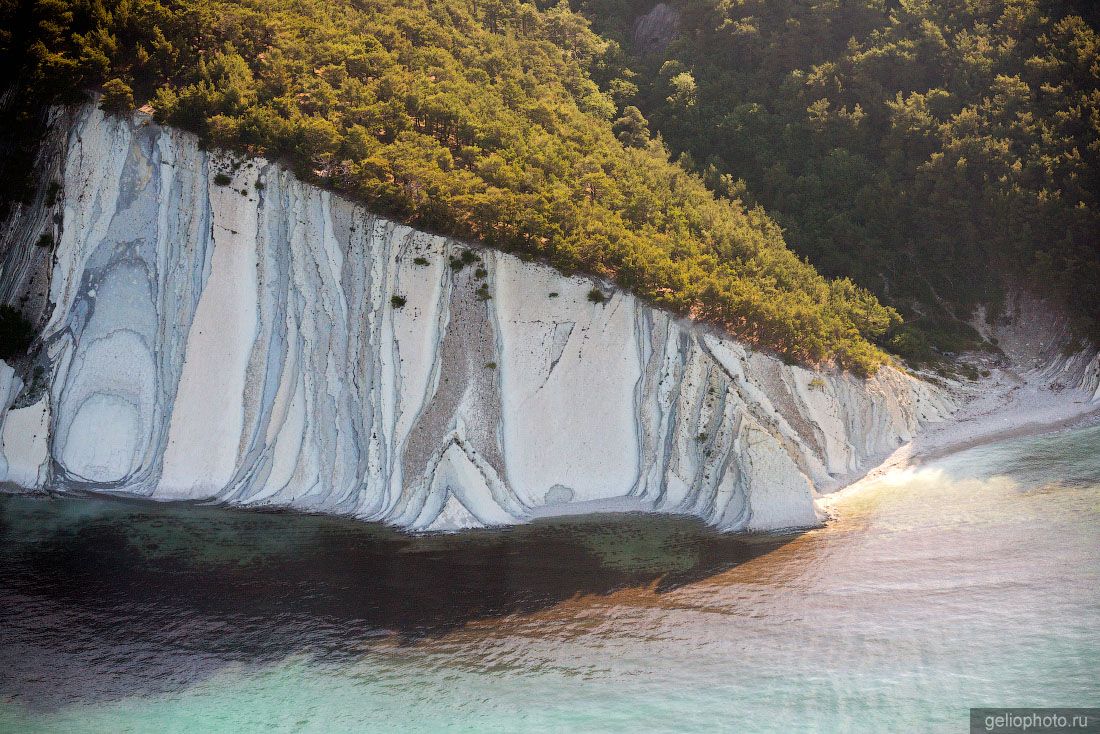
x=971, y=582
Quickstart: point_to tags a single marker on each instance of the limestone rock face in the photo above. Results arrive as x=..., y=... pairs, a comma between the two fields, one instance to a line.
x=264, y=342
x=656, y=29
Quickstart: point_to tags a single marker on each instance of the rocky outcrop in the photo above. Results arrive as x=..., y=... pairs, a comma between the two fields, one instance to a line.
x=218, y=330
x=1037, y=344
x=656, y=29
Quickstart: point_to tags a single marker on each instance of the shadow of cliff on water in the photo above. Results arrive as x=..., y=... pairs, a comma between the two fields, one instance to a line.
x=90, y=583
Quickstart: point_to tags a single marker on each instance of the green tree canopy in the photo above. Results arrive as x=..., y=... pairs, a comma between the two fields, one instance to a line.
x=933, y=151
x=481, y=119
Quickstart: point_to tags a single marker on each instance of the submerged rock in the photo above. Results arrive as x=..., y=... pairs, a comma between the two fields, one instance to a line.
x=219, y=330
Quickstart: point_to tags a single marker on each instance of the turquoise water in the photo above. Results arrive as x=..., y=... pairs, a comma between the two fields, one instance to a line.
x=971, y=582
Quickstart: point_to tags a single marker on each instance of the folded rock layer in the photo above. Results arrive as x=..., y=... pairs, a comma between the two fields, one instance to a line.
x=218, y=330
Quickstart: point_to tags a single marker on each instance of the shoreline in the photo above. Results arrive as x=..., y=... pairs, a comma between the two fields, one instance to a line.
x=1007, y=406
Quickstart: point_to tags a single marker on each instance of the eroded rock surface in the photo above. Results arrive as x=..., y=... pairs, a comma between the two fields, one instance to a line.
x=656, y=29
x=243, y=343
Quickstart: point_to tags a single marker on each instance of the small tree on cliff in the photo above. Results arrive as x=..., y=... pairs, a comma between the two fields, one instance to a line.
x=117, y=99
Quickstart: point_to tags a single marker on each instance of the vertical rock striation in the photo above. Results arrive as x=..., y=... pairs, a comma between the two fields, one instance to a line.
x=265, y=342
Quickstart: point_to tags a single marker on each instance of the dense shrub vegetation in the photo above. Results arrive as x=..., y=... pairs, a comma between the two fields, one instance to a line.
x=475, y=118
x=929, y=149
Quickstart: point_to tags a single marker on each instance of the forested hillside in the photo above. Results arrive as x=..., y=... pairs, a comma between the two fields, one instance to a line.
x=476, y=118
x=931, y=150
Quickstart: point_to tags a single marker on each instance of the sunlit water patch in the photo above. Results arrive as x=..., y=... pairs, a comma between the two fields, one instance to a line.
x=974, y=581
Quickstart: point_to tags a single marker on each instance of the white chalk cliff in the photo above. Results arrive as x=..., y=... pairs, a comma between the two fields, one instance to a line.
x=241, y=343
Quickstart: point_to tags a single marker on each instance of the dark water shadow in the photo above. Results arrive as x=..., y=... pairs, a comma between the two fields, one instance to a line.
x=103, y=598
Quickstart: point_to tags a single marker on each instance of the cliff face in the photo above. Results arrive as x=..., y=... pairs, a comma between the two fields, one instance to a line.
x=656, y=29
x=243, y=343
x=1033, y=338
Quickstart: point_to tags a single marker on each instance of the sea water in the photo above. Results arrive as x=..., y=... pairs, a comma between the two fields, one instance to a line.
x=973, y=581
